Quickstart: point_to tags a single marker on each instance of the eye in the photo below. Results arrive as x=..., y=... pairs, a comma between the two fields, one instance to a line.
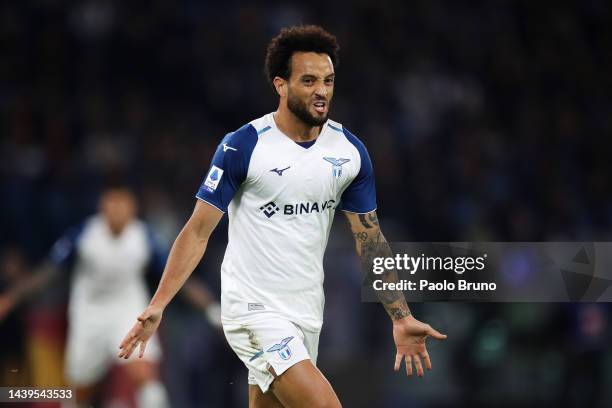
x=329, y=81
x=307, y=81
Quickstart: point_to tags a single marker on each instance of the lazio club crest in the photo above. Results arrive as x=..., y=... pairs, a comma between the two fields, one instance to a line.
x=283, y=348
x=336, y=165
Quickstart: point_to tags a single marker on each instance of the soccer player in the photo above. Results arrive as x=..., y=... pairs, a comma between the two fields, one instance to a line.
x=110, y=252
x=280, y=178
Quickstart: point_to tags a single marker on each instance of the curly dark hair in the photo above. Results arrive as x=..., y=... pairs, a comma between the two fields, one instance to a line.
x=304, y=38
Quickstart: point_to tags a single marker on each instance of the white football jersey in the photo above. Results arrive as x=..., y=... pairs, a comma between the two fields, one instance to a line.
x=108, y=269
x=281, y=197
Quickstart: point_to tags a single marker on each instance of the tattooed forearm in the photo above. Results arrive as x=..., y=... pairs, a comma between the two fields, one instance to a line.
x=360, y=236
x=375, y=245
x=369, y=220
x=400, y=312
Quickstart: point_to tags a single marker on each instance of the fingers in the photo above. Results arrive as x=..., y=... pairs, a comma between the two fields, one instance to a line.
x=419, y=366
x=126, y=350
x=416, y=358
x=425, y=356
x=129, y=349
x=408, y=364
x=436, y=334
x=130, y=342
x=143, y=346
x=398, y=361
x=126, y=340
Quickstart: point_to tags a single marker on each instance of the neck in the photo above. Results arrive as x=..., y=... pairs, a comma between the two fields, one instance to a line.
x=116, y=230
x=293, y=127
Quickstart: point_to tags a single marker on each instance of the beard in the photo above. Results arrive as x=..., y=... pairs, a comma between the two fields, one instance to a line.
x=300, y=110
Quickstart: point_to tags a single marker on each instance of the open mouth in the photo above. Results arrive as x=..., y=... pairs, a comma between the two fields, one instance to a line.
x=320, y=106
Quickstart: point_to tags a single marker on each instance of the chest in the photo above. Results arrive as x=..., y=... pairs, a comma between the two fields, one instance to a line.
x=101, y=252
x=286, y=171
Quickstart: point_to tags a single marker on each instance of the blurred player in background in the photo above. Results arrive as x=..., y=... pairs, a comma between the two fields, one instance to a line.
x=281, y=178
x=109, y=253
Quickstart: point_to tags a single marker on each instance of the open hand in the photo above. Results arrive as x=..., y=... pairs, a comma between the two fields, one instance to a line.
x=141, y=332
x=409, y=335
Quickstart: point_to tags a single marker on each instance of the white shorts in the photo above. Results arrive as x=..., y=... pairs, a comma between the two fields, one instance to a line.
x=270, y=341
x=93, y=343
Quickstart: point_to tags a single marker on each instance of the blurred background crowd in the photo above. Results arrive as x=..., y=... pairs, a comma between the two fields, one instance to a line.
x=485, y=121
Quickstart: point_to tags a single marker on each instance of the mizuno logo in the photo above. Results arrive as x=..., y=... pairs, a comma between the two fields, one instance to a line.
x=280, y=172
x=226, y=148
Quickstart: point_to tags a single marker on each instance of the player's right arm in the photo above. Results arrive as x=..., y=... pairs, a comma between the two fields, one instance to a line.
x=227, y=172
x=186, y=253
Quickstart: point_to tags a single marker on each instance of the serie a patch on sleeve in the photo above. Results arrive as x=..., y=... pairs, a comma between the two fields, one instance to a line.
x=213, y=178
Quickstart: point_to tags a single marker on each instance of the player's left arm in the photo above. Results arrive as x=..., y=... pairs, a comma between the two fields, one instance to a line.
x=409, y=333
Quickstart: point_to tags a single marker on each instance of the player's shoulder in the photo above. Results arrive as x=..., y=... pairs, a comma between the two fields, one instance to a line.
x=262, y=125
x=242, y=137
x=92, y=229
x=140, y=226
x=92, y=223
x=347, y=134
x=143, y=233
x=248, y=134
x=72, y=238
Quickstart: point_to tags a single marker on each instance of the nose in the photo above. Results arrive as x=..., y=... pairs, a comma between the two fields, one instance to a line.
x=321, y=90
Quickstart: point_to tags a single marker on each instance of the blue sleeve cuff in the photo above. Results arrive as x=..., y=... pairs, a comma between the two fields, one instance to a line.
x=360, y=196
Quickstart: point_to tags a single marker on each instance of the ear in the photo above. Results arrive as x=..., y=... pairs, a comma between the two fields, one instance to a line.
x=281, y=86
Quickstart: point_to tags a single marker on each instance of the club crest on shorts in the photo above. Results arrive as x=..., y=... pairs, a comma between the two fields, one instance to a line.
x=283, y=348
x=336, y=165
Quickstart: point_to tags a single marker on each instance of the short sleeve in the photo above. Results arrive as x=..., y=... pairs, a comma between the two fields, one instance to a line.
x=64, y=249
x=229, y=167
x=360, y=195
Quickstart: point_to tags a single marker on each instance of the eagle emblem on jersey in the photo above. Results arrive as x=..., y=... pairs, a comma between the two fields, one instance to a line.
x=336, y=165
x=283, y=348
